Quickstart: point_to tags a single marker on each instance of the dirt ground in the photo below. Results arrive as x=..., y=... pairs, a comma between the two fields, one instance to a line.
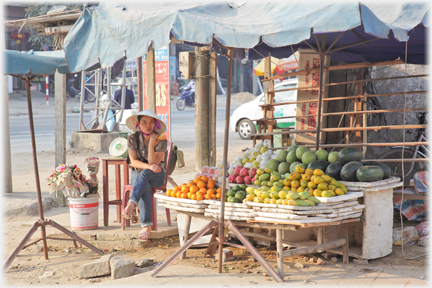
x=63, y=266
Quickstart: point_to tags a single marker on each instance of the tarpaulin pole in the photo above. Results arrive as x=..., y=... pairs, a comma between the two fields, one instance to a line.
x=225, y=161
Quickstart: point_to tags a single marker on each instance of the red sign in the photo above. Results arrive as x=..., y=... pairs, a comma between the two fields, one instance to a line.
x=162, y=87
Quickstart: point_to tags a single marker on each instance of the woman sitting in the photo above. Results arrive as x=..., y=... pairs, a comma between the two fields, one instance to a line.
x=146, y=152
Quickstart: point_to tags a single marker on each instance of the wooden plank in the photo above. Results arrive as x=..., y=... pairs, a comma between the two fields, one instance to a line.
x=410, y=196
x=345, y=98
x=280, y=215
x=341, y=198
x=316, y=248
x=333, y=68
x=310, y=220
x=370, y=184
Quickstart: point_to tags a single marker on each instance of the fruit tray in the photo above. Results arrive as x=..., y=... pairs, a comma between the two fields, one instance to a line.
x=341, y=198
x=181, y=204
x=362, y=185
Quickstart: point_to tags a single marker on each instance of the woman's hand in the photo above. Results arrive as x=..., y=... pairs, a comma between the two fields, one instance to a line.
x=153, y=140
x=155, y=168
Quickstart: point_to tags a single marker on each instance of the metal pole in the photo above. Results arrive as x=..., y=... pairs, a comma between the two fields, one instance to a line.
x=35, y=164
x=225, y=161
x=140, y=84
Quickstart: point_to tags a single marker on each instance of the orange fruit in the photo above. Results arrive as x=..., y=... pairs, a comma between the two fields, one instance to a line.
x=211, y=183
x=197, y=179
x=203, y=190
x=201, y=184
x=211, y=191
x=213, y=196
x=177, y=188
x=173, y=193
x=219, y=190
x=190, y=183
x=189, y=195
x=194, y=188
x=204, y=179
x=178, y=194
x=184, y=195
x=185, y=189
x=208, y=196
x=218, y=195
x=193, y=197
x=168, y=192
x=199, y=197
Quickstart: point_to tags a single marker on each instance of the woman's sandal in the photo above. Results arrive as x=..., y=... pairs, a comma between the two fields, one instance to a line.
x=143, y=236
x=126, y=215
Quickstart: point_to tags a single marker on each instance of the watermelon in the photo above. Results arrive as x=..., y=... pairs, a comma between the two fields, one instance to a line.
x=318, y=164
x=386, y=169
x=334, y=169
x=348, y=171
x=369, y=173
x=349, y=154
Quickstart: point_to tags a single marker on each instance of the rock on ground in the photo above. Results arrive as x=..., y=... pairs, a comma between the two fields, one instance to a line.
x=121, y=267
x=99, y=267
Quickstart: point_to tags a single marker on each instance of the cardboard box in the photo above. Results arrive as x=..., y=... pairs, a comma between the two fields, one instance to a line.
x=308, y=59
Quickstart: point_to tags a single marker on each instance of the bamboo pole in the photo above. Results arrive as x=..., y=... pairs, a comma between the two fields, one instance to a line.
x=225, y=160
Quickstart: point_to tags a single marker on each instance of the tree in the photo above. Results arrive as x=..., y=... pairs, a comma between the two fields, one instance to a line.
x=38, y=41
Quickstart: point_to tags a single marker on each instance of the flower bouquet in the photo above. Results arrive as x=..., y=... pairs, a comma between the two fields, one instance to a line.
x=70, y=180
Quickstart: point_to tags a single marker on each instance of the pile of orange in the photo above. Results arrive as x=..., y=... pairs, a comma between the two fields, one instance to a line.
x=200, y=188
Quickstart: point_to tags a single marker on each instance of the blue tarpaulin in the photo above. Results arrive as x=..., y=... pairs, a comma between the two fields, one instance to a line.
x=110, y=31
x=38, y=63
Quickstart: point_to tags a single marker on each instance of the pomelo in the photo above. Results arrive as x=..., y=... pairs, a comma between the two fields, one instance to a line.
x=308, y=157
x=333, y=156
x=321, y=155
x=300, y=151
x=283, y=167
x=293, y=165
x=292, y=148
x=291, y=157
x=273, y=164
x=281, y=155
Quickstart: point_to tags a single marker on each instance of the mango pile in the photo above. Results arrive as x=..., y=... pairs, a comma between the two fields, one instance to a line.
x=299, y=188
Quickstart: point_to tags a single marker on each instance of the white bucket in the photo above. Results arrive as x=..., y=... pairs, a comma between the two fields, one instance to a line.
x=84, y=212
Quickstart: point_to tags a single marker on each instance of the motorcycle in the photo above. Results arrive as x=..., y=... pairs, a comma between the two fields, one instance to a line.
x=71, y=91
x=187, y=97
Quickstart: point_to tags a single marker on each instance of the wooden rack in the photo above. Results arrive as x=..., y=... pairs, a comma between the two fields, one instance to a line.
x=268, y=120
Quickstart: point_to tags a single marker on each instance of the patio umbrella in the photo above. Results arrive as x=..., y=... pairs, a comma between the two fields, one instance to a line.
x=259, y=69
x=30, y=64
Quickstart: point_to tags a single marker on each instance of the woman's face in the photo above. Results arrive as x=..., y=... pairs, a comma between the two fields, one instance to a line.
x=146, y=124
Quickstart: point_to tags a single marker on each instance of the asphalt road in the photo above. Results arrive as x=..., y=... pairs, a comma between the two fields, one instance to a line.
x=182, y=127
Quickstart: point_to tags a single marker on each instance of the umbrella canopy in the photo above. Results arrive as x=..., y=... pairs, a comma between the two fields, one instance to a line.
x=105, y=33
x=39, y=63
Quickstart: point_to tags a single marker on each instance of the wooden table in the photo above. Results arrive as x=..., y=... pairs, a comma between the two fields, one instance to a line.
x=279, y=227
x=117, y=162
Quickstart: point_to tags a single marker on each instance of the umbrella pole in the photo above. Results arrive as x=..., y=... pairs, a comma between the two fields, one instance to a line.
x=41, y=222
x=225, y=157
x=35, y=164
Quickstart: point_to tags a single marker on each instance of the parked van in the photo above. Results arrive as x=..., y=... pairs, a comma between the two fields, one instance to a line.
x=243, y=118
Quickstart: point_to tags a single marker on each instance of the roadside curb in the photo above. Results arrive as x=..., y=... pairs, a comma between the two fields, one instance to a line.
x=31, y=209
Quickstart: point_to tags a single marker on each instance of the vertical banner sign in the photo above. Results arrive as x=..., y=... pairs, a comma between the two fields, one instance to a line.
x=162, y=87
x=308, y=59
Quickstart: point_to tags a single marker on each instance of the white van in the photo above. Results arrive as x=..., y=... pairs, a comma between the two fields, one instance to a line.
x=242, y=119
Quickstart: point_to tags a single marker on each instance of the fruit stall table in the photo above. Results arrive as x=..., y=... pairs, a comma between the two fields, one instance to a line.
x=339, y=211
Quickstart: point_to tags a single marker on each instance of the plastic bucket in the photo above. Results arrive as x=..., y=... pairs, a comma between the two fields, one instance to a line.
x=84, y=212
